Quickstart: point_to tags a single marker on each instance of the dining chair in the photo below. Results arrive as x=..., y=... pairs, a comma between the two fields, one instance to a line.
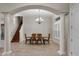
x=39, y=38
x=27, y=39
x=33, y=38
x=46, y=39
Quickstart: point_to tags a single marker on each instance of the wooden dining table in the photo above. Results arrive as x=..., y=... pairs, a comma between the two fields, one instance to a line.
x=29, y=37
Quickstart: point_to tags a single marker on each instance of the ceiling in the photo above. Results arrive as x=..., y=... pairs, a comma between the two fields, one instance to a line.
x=35, y=13
x=7, y=7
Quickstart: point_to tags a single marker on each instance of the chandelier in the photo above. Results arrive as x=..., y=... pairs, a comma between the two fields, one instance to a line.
x=39, y=19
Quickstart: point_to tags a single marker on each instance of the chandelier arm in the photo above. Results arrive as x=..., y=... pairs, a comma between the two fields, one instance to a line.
x=39, y=14
x=39, y=17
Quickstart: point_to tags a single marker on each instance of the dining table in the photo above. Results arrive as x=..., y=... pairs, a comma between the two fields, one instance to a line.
x=43, y=37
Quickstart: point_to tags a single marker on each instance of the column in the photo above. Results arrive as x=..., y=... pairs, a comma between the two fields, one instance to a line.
x=62, y=50
x=7, y=40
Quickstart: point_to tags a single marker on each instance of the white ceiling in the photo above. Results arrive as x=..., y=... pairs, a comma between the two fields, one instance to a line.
x=35, y=13
x=6, y=7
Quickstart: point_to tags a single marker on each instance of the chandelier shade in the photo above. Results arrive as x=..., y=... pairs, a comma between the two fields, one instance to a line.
x=39, y=19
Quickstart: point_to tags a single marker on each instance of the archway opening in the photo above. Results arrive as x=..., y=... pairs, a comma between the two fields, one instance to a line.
x=34, y=7
x=29, y=26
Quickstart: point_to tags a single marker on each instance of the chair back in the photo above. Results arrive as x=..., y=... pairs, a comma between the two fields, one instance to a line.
x=48, y=36
x=33, y=36
x=39, y=36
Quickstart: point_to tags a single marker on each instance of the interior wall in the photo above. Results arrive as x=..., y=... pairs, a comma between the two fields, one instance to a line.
x=74, y=29
x=22, y=36
x=0, y=36
x=30, y=26
x=1, y=22
x=0, y=28
x=0, y=31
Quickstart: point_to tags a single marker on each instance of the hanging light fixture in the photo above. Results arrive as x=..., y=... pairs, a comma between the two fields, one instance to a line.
x=39, y=20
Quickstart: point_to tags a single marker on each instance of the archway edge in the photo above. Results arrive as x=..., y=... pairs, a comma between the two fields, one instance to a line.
x=35, y=7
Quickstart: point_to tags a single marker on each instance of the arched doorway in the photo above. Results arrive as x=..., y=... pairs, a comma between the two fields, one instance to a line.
x=35, y=7
x=45, y=8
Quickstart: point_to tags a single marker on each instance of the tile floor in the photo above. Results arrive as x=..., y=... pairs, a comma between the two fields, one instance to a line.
x=21, y=49
x=1, y=51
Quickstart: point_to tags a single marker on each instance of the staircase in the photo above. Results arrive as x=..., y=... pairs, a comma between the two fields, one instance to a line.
x=16, y=37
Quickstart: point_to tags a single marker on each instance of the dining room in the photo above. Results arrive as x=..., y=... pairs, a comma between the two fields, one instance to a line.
x=36, y=34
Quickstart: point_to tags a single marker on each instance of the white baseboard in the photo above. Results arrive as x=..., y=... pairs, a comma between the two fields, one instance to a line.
x=56, y=41
x=9, y=52
x=61, y=53
x=6, y=53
